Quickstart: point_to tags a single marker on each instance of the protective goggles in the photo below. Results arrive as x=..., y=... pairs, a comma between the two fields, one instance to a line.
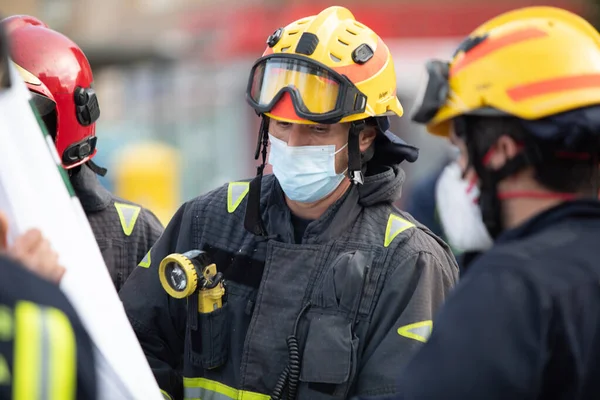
x=434, y=91
x=319, y=94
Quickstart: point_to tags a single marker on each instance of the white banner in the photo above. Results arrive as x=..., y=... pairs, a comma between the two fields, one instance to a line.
x=35, y=193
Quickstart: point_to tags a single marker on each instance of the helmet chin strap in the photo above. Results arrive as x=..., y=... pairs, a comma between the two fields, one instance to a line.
x=253, y=222
x=355, y=173
x=489, y=198
x=96, y=168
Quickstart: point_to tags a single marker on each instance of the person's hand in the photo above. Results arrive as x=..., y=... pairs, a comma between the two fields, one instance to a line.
x=33, y=251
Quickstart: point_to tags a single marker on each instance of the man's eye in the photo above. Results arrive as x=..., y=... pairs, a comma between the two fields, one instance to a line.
x=284, y=124
x=320, y=129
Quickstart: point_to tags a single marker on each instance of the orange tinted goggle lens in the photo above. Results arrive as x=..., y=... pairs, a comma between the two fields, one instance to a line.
x=317, y=89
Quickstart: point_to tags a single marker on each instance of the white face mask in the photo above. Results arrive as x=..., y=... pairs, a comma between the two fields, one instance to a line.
x=306, y=173
x=459, y=212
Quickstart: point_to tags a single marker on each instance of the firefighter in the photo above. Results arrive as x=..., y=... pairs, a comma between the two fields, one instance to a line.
x=329, y=289
x=60, y=79
x=521, y=99
x=45, y=351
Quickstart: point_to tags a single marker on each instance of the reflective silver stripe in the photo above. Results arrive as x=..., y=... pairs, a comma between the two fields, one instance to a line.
x=395, y=226
x=33, y=357
x=423, y=331
x=197, y=393
x=128, y=215
x=45, y=344
x=236, y=192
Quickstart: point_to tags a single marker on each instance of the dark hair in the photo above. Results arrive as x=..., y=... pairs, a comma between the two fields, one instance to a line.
x=50, y=122
x=563, y=175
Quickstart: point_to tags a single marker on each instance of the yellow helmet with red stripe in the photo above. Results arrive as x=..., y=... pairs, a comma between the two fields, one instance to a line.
x=529, y=63
x=324, y=68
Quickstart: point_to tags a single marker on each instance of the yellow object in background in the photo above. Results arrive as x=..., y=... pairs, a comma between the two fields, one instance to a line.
x=148, y=173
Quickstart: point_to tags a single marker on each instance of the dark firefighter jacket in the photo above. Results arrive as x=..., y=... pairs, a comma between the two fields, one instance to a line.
x=363, y=282
x=524, y=323
x=45, y=352
x=124, y=231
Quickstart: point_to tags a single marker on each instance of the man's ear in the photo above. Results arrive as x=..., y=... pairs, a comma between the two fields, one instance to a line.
x=366, y=138
x=3, y=231
x=503, y=150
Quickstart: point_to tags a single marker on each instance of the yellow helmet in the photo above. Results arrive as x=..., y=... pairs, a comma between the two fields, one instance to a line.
x=324, y=69
x=529, y=63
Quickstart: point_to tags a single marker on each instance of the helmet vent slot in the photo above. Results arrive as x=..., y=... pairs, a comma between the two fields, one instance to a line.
x=334, y=57
x=284, y=49
x=342, y=42
x=351, y=32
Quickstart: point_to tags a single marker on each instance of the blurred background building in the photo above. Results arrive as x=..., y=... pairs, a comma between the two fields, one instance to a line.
x=171, y=77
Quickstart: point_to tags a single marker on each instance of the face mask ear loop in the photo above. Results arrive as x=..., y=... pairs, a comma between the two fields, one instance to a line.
x=340, y=149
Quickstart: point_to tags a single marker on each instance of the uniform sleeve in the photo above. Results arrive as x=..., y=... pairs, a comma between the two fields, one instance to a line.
x=402, y=319
x=486, y=343
x=157, y=319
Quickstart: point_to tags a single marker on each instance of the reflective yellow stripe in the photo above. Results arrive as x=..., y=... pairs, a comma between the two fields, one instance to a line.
x=205, y=389
x=128, y=214
x=63, y=356
x=419, y=331
x=4, y=371
x=395, y=226
x=45, y=354
x=28, y=351
x=146, y=261
x=166, y=395
x=236, y=191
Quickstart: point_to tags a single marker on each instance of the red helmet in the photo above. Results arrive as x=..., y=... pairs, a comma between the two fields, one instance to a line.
x=60, y=78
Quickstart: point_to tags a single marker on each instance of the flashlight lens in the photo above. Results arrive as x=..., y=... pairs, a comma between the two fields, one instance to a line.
x=176, y=277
